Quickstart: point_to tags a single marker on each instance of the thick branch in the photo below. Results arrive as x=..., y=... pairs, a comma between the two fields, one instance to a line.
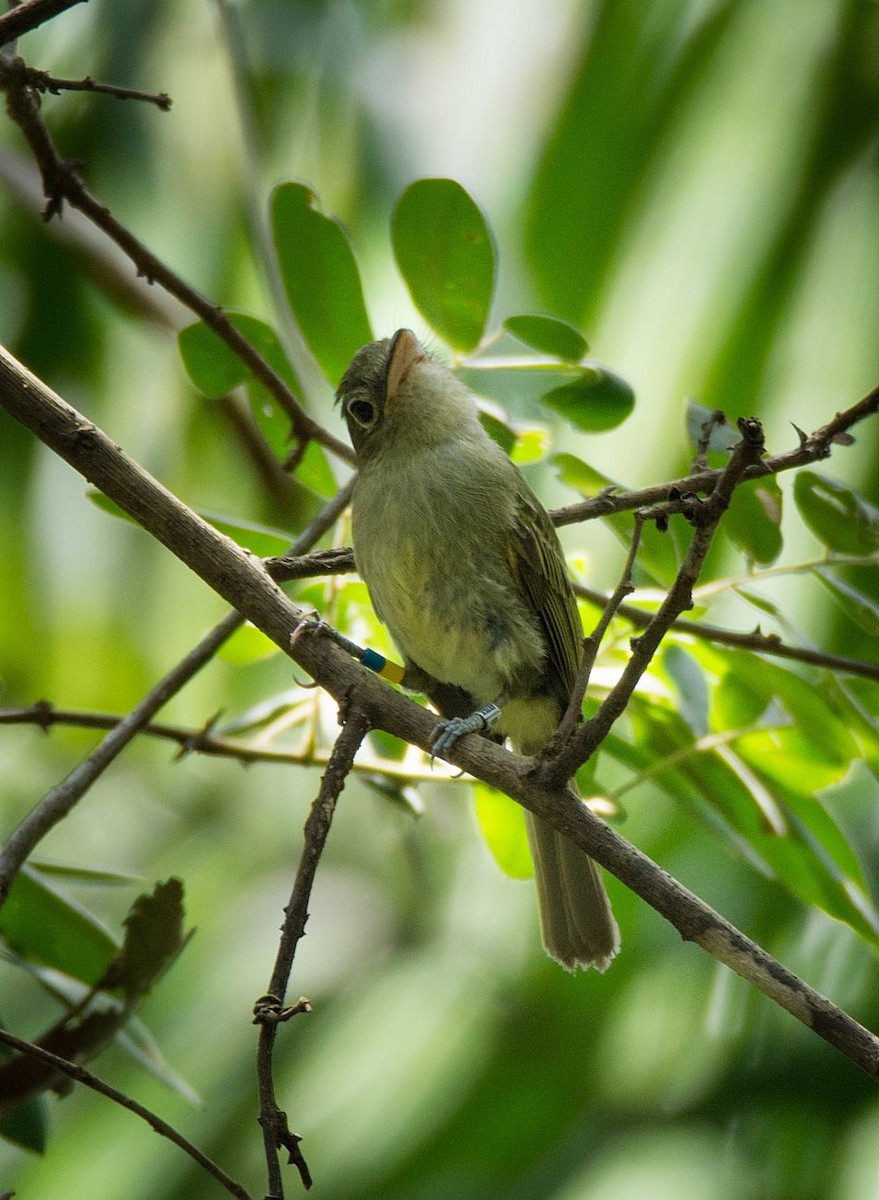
x=243, y=582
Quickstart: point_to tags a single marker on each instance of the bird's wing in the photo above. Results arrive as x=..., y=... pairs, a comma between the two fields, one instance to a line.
x=538, y=568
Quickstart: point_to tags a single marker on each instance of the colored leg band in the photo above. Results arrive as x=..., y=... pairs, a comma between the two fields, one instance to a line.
x=378, y=663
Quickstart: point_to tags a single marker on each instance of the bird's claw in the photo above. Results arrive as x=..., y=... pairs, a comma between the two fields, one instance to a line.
x=447, y=733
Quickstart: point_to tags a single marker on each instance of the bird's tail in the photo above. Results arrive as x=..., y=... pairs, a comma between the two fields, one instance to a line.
x=576, y=922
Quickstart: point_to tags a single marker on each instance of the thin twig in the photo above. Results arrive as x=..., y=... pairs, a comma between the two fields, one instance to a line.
x=56, y=805
x=87, y=1079
x=42, y=81
x=270, y=1010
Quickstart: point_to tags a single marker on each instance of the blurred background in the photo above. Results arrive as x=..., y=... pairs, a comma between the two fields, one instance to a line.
x=692, y=183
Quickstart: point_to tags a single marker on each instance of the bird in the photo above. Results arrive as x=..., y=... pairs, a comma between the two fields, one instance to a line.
x=464, y=567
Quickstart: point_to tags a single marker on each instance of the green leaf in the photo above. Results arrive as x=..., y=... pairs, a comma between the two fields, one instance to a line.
x=261, y=540
x=153, y=939
x=216, y=369
x=498, y=430
x=247, y=645
x=445, y=253
x=549, y=335
x=596, y=401
x=753, y=521
x=502, y=823
x=321, y=278
x=40, y=924
x=838, y=515
x=314, y=471
x=861, y=609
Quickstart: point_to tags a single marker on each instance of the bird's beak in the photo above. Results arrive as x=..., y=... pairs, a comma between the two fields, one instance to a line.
x=404, y=353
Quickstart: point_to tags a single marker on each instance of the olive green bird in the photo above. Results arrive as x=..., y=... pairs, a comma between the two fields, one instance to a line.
x=464, y=566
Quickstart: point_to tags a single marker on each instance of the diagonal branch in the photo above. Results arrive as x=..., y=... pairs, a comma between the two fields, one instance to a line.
x=243, y=582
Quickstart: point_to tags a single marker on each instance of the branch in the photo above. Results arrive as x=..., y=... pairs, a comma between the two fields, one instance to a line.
x=705, y=515
x=42, y=81
x=811, y=449
x=61, y=800
x=269, y=1010
x=29, y=15
x=61, y=183
x=81, y=1075
x=243, y=582
x=759, y=643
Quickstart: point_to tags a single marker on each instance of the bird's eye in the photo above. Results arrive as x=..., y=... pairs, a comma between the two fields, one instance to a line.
x=363, y=412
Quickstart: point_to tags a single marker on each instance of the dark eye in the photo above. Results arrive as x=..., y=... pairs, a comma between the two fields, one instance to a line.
x=363, y=412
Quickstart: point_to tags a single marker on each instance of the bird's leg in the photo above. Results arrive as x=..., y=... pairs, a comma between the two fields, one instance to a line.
x=369, y=658
x=482, y=720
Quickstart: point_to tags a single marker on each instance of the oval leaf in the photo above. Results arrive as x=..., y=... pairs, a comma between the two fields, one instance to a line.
x=215, y=368
x=598, y=400
x=320, y=277
x=445, y=253
x=549, y=335
x=753, y=521
x=45, y=927
x=843, y=520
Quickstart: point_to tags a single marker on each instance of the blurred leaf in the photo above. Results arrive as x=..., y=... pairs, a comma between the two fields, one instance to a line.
x=498, y=430
x=502, y=823
x=27, y=1125
x=216, y=369
x=445, y=252
x=634, y=73
x=247, y=645
x=781, y=828
x=688, y=677
x=314, y=471
x=321, y=278
x=842, y=519
x=92, y=875
x=258, y=539
x=40, y=924
x=753, y=520
x=861, y=609
x=532, y=444
x=596, y=401
x=549, y=335
x=722, y=437
x=153, y=939
x=138, y=1043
